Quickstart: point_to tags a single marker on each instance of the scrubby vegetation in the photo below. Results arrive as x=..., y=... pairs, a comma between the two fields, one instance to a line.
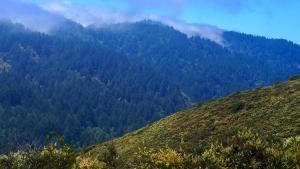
x=55, y=155
x=237, y=106
x=245, y=149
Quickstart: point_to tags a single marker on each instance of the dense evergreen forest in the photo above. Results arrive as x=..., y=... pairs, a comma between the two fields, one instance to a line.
x=91, y=84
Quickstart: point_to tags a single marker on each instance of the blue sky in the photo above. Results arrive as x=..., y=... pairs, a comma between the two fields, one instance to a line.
x=270, y=18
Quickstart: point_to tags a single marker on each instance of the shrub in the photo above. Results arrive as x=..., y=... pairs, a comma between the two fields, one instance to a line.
x=245, y=150
x=294, y=78
x=110, y=157
x=163, y=159
x=236, y=107
x=88, y=163
x=297, y=87
x=56, y=155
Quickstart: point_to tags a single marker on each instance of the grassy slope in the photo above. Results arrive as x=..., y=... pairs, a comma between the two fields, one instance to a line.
x=272, y=110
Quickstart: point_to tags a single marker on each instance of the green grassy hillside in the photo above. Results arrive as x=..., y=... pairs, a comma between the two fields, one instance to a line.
x=273, y=111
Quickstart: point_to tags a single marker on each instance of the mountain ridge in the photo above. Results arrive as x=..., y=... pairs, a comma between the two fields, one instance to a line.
x=98, y=84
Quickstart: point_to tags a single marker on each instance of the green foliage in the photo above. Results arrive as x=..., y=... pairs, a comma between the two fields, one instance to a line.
x=110, y=157
x=88, y=163
x=297, y=87
x=237, y=106
x=163, y=158
x=55, y=155
x=297, y=77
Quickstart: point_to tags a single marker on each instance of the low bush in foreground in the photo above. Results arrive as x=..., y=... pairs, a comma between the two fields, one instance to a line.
x=55, y=155
x=244, y=150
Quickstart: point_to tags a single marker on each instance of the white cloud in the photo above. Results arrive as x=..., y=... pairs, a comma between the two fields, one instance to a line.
x=30, y=15
x=205, y=31
x=89, y=15
x=45, y=16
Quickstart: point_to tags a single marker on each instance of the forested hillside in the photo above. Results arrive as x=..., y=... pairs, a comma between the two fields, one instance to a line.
x=202, y=68
x=74, y=86
x=91, y=84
